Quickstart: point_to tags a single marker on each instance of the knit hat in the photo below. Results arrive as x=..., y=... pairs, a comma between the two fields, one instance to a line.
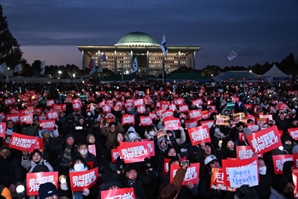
x=69, y=135
x=69, y=116
x=42, y=132
x=46, y=190
x=246, y=131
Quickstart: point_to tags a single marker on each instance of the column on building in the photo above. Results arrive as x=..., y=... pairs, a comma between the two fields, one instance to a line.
x=194, y=60
x=115, y=62
x=147, y=63
x=98, y=58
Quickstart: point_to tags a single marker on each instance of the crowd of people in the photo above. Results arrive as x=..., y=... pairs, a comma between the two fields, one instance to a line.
x=99, y=121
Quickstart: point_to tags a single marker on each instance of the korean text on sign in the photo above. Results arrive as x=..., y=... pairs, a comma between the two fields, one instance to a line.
x=83, y=179
x=34, y=180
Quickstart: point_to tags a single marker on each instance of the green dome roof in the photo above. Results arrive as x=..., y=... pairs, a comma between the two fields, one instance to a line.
x=137, y=39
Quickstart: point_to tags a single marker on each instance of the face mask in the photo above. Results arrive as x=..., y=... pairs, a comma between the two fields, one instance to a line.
x=262, y=170
x=83, y=151
x=78, y=167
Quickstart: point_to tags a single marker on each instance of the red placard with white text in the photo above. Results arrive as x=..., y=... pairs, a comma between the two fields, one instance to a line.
x=295, y=180
x=195, y=114
x=26, y=118
x=264, y=140
x=166, y=162
x=199, y=134
x=167, y=113
x=128, y=119
x=244, y=152
x=92, y=149
x=183, y=108
x=190, y=123
x=76, y=105
x=217, y=180
x=59, y=107
x=295, y=160
x=191, y=175
x=208, y=123
x=146, y=121
x=132, y=152
x=293, y=133
x=52, y=115
x=114, y=155
x=2, y=129
x=172, y=123
x=23, y=142
x=138, y=102
x=47, y=124
x=178, y=101
x=39, y=145
x=118, y=193
x=14, y=117
x=278, y=162
x=80, y=180
x=50, y=103
x=34, y=180
x=240, y=172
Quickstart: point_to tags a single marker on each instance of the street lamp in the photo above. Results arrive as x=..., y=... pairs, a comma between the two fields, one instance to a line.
x=59, y=72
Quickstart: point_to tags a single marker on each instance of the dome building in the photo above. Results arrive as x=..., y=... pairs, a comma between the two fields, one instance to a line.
x=120, y=56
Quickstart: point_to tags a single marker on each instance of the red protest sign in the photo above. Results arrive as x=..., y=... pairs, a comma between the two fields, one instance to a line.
x=47, y=124
x=190, y=123
x=39, y=144
x=217, y=180
x=52, y=115
x=133, y=151
x=128, y=119
x=50, y=103
x=92, y=149
x=183, y=108
x=241, y=172
x=141, y=109
x=76, y=105
x=199, y=134
x=172, y=123
x=23, y=142
x=208, y=123
x=197, y=102
x=191, y=175
x=37, y=111
x=278, y=162
x=295, y=160
x=166, y=162
x=172, y=107
x=34, y=180
x=14, y=117
x=244, y=152
x=146, y=121
x=153, y=115
x=150, y=144
x=9, y=101
x=195, y=114
x=264, y=140
x=118, y=193
x=106, y=108
x=138, y=102
x=253, y=127
x=80, y=180
x=293, y=133
x=2, y=129
x=295, y=180
x=26, y=118
x=178, y=101
x=167, y=113
x=114, y=154
x=59, y=107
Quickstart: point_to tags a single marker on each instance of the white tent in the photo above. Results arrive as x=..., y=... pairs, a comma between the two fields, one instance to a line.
x=274, y=74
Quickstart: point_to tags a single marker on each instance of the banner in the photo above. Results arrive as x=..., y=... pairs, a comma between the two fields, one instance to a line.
x=2, y=129
x=128, y=119
x=244, y=152
x=133, y=151
x=293, y=133
x=278, y=162
x=241, y=172
x=217, y=180
x=23, y=142
x=80, y=180
x=47, y=124
x=199, y=134
x=264, y=140
x=120, y=193
x=34, y=180
x=191, y=175
x=172, y=123
x=146, y=121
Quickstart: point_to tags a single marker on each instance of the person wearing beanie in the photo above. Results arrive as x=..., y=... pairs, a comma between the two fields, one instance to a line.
x=47, y=190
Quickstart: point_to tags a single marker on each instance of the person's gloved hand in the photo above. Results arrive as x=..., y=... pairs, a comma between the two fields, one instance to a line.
x=120, y=164
x=148, y=163
x=242, y=191
x=86, y=192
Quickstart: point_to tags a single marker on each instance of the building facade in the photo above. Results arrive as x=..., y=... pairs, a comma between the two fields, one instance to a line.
x=119, y=57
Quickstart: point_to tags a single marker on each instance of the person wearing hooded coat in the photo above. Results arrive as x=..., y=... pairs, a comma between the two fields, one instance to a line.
x=35, y=159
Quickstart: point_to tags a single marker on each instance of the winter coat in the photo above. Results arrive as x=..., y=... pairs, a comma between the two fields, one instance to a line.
x=111, y=136
x=10, y=170
x=29, y=165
